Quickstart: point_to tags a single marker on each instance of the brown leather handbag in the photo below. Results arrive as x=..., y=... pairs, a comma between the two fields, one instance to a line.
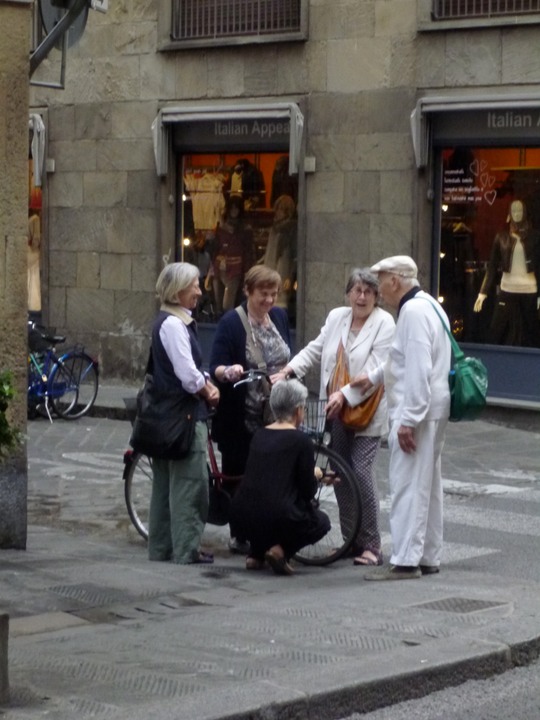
x=359, y=416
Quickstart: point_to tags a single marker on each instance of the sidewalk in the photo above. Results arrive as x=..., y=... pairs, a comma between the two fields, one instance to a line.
x=98, y=631
x=110, y=403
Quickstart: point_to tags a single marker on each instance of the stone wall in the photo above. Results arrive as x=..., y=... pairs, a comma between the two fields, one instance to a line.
x=358, y=76
x=14, y=53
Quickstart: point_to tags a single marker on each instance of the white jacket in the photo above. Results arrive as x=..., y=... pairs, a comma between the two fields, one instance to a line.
x=369, y=350
x=416, y=372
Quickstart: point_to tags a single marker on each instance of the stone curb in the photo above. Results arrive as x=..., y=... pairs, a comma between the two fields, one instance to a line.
x=475, y=661
x=517, y=418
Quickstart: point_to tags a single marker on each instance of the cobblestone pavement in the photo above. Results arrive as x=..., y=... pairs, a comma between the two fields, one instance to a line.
x=75, y=473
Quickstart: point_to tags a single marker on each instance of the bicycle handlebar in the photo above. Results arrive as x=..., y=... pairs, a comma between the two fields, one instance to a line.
x=251, y=375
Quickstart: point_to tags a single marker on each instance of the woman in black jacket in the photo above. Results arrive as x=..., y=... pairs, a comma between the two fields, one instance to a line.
x=240, y=411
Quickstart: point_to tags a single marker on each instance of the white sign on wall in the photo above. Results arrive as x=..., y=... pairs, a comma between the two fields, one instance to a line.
x=100, y=5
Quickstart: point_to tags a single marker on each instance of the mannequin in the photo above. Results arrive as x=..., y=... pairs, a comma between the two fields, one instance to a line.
x=34, y=245
x=233, y=254
x=515, y=253
x=282, y=182
x=247, y=182
x=280, y=251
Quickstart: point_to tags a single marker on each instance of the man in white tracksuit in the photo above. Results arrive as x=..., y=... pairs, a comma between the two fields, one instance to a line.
x=415, y=376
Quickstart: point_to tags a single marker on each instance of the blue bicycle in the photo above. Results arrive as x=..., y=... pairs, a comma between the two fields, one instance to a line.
x=65, y=385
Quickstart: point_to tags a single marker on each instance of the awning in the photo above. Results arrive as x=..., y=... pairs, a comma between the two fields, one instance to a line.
x=37, y=146
x=197, y=113
x=426, y=106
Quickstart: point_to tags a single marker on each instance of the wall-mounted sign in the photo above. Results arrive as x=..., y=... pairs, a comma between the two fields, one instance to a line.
x=232, y=135
x=487, y=125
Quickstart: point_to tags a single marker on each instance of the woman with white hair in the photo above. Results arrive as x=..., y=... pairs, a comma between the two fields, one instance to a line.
x=272, y=507
x=357, y=336
x=179, y=501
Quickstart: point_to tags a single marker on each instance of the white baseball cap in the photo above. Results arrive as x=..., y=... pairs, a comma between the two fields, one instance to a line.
x=398, y=264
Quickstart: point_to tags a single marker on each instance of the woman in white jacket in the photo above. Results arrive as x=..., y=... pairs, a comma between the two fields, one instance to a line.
x=365, y=331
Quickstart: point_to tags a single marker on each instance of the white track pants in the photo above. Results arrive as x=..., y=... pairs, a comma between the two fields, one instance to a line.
x=416, y=510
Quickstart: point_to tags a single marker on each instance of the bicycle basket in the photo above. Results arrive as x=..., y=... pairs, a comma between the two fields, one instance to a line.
x=314, y=418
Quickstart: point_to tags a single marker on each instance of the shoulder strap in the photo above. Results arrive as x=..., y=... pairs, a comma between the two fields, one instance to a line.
x=255, y=349
x=458, y=352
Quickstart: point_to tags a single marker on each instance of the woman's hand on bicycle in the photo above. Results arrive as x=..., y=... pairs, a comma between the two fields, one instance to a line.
x=328, y=478
x=283, y=374
x=230, y=373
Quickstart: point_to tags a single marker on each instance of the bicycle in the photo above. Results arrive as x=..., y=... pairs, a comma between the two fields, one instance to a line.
x=67, y=384
x=337, y=494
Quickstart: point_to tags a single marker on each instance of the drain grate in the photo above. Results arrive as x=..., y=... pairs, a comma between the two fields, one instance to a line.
x=91, y=595
x=460, y=605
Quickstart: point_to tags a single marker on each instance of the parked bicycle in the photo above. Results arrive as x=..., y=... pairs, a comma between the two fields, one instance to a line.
x=65, y=385
x=337, y=494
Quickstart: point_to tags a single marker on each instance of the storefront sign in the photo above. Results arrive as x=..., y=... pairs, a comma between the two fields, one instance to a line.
x=232, y=135
x=487, y=125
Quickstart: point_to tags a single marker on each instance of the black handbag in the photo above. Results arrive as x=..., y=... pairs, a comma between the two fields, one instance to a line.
x=267, y=415
x=164, y=425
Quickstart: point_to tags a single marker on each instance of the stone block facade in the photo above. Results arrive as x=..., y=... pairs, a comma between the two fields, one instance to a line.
x=14, y=54
x=357, y=76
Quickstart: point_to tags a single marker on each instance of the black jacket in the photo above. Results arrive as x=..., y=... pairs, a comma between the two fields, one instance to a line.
x=501, y=257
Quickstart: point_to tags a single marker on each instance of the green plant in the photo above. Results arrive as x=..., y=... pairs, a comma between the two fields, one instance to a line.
x=9, y=436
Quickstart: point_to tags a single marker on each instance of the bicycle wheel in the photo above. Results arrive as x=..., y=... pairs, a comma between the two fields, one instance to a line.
x=138, y=489
x=337, y=496
x=73, y=385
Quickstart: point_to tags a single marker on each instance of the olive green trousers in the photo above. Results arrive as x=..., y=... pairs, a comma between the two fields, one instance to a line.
x=179, y=504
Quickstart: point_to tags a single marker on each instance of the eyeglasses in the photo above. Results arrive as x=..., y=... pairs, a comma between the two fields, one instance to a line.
x=363, y=291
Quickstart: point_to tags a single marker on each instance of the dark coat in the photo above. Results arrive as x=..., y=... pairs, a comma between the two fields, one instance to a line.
x=229, y=348
x=272, y=505
x=501, y=258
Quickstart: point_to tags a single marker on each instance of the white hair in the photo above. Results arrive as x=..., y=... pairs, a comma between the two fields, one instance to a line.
x=407, y=283
x=174, y=278
x=286, y=396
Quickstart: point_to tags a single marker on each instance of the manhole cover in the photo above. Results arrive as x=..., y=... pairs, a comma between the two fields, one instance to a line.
x=460, y=605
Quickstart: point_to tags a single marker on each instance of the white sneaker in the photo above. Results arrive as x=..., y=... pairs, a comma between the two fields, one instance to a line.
x=238, y=547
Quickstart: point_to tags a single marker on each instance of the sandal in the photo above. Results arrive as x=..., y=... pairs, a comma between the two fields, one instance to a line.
x=278, y=563
x=369, y=560
x=253, y=563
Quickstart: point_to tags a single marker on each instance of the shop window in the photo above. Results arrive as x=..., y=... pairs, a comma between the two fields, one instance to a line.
x=219, y=20
x=489, y=265
x=456, y=9
x=225, y=242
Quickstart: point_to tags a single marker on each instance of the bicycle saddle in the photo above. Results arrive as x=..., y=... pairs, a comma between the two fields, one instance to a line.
x=55, y=339
x=40, y=340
